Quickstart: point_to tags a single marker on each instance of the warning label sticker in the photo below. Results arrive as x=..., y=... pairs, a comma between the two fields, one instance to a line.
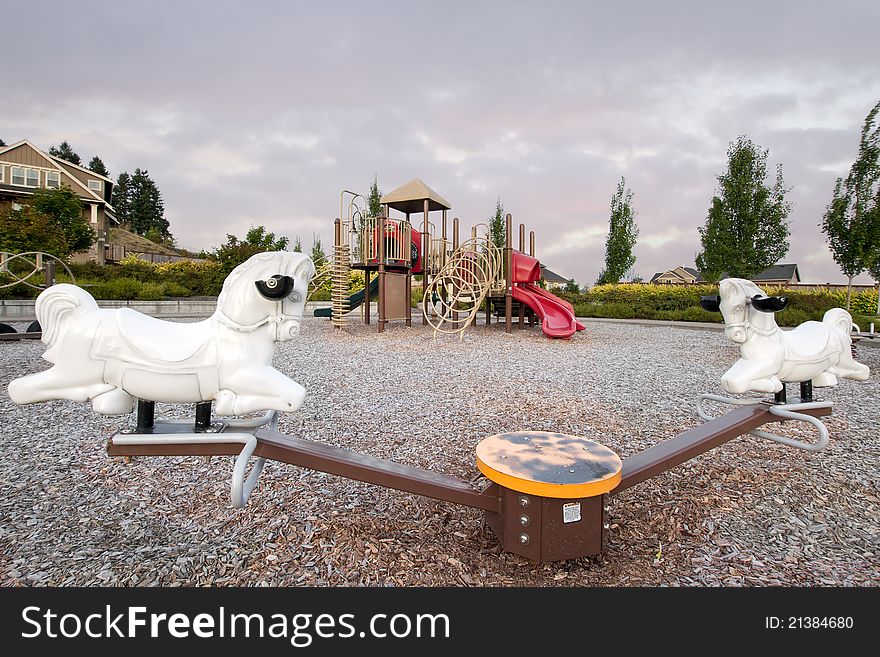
x=571, y=512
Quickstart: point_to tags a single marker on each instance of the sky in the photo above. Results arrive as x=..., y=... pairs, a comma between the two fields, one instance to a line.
x=261, y=113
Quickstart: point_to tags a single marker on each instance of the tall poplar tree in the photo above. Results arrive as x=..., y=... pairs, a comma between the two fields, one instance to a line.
x=747, y=227
x=498, y=227
x=622, y=235
x=375, y=199
x=851, y=222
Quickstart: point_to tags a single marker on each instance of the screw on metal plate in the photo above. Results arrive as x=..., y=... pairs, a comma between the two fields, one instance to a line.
x=524, y=520
x=524, y=539
x=605, y=525
x=523, y=500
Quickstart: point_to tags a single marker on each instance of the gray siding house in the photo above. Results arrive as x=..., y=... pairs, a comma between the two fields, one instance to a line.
x=24, y=167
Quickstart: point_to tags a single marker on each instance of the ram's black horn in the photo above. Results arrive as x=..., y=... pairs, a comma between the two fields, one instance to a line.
x=712, y=303
x=276, y=287
x=769, y=304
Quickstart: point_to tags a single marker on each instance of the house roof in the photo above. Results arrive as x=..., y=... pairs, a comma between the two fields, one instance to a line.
x=61, y=164
x=779, y=273
x=551, y=276
x=693, y=272
x=411, y=198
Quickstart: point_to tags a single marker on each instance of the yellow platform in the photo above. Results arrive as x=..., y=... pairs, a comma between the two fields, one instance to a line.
x=549, y=464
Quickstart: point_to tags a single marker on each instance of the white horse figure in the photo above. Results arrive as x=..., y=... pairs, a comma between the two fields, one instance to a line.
x=814, y=351
x=111, y=356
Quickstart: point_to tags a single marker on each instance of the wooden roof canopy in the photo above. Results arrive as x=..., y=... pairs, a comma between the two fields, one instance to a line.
x=410, y=198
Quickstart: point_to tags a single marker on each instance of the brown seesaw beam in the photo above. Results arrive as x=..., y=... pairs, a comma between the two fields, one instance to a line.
x=539, y=525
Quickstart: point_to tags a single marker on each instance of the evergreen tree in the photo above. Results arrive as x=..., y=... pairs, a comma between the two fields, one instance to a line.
x=374, y=200
x=121, y=200
x=297, y=245
x=65, y=152
x=147, y=207
x=851, y=222
x=747, y=228
x=96, y=165
x=622, y=234
x=498, y=227
x=317, y=255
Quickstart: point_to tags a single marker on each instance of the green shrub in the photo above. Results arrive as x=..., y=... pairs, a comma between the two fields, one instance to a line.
x=792, y=316
x=173, y=289
x=320, y=294
x=120, y=288
x=151, y=292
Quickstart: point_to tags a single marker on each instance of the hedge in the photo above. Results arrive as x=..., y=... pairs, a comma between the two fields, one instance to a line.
x=682, y=303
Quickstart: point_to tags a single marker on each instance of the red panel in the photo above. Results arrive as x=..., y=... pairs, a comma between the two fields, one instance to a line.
x=415, y=251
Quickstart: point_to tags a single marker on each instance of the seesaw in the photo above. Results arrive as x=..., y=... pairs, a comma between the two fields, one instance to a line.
x=544, y=495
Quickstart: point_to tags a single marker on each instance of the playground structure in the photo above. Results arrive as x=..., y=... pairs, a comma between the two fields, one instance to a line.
x=545, y=494
x=458, y=279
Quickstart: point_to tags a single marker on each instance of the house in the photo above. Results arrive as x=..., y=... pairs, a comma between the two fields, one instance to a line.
x=24, y=167
x=681, y=275
x=777, y=275
x=553, y=280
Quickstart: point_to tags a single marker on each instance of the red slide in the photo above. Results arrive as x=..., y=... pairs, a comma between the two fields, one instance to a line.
x=557, y=315
x=557, y=320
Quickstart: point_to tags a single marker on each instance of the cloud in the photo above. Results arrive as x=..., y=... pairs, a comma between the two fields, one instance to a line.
x=264, y=116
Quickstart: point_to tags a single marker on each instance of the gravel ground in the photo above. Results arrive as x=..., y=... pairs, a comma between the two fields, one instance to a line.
x=750, y=513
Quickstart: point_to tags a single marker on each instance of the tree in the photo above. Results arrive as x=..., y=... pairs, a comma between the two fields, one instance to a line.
x=65, y=208
x=317, y=255
x=874, y=270
x=50, y=221
x=572, y=286
x=498, y=227
x=747, y=228
x=297, y=245
x=235, y=251
x=147, y=208
x=850, y=223
x=122, y=199
x=374, y=202
x=2, y=143
x=28, y=229
x=97, y=165
x=622, y=234
x=65, y=152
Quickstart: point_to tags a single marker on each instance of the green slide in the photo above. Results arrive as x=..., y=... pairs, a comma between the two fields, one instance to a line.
x=354, y=300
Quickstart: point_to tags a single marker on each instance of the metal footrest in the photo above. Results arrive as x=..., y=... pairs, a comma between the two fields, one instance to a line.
x=784, y=412
x=243, y=483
